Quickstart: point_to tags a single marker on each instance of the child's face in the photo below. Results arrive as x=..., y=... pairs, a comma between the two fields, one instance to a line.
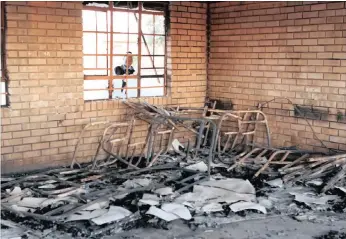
x=129, y=60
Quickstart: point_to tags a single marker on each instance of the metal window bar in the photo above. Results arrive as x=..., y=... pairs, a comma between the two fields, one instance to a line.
x=127, y=50
x=139, y=61
x=110, y=53
x=110, y=80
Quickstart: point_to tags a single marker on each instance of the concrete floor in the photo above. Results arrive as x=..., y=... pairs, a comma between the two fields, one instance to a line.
x=278, y=227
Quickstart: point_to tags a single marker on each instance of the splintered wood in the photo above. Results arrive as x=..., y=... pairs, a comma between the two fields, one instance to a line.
x=313, y=168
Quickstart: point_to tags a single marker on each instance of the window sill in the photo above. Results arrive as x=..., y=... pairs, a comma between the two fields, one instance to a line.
x=139, y=98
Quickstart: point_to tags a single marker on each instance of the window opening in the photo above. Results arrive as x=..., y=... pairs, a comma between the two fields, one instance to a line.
x=124, y=50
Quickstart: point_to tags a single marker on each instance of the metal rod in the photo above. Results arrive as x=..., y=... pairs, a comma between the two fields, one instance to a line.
x=139, y=60
x=74, y=161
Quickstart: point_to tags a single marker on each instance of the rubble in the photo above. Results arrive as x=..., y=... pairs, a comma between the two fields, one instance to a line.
x=113, y=214
x=204, y=182
x=240, y=206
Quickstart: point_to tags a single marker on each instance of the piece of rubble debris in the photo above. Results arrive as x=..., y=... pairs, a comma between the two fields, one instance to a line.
x=167, y=216
x=164, y=191
x=176, y=145
x=12, y=233
x=86, y=215
x=97, y=206
x=275, y=183
x=31, y=202
x=217, y=191
x=114, y=213
x=268, y=204
x=212, y=207
x=343, y=189
x=150, y=199
x=15, y=191
x=305, y=217
x=240, y=206
x=178, y=209
x=199, y=167
x=315, y=182
x=137, y=182
x=309, y=199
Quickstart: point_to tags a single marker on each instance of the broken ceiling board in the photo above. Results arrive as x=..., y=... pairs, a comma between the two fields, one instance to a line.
x=232, y=184
x=86, y=215
x=157, y=212
x=217, y=191
x=150, y=199
x=114, y=213
x=212, y=207
x=240, y=206
x=177, y=209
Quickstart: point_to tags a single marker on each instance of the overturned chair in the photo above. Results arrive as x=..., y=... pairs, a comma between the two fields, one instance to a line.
x=117, y=146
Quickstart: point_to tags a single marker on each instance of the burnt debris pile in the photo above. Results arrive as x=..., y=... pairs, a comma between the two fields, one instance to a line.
x=217, y=176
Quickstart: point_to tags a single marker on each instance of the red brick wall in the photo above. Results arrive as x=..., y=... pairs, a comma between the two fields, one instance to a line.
x=262, y=50
x=44, y=56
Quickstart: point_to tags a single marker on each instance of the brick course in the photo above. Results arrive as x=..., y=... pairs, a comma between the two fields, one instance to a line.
x=282, y=49
x=44, y=56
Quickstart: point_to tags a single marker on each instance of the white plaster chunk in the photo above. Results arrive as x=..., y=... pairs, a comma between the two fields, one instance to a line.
x=16, y=191
x=114, y=213
x=315, y=182
x=11, y=233
x=177, y=209
x=86, y=215
x=276, y=183
x=20, y=209
x=149, y=202
x=200, y=166
x=31, y=202
x=97, y=206
x=164, y=191
x=150, y=199
x=217, y=191
x=175, y=146
x=265, y=202
x=231, y=184
x=212, y=207
x=240, y=206
x=312, y=199
x=157, y=212
x=137, y=182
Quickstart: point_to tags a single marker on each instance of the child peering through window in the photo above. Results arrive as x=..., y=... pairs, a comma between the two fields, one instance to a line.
x=126, y=66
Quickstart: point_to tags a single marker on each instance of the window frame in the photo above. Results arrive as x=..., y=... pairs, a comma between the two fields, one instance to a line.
x=4, y=75
x=110, y=76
